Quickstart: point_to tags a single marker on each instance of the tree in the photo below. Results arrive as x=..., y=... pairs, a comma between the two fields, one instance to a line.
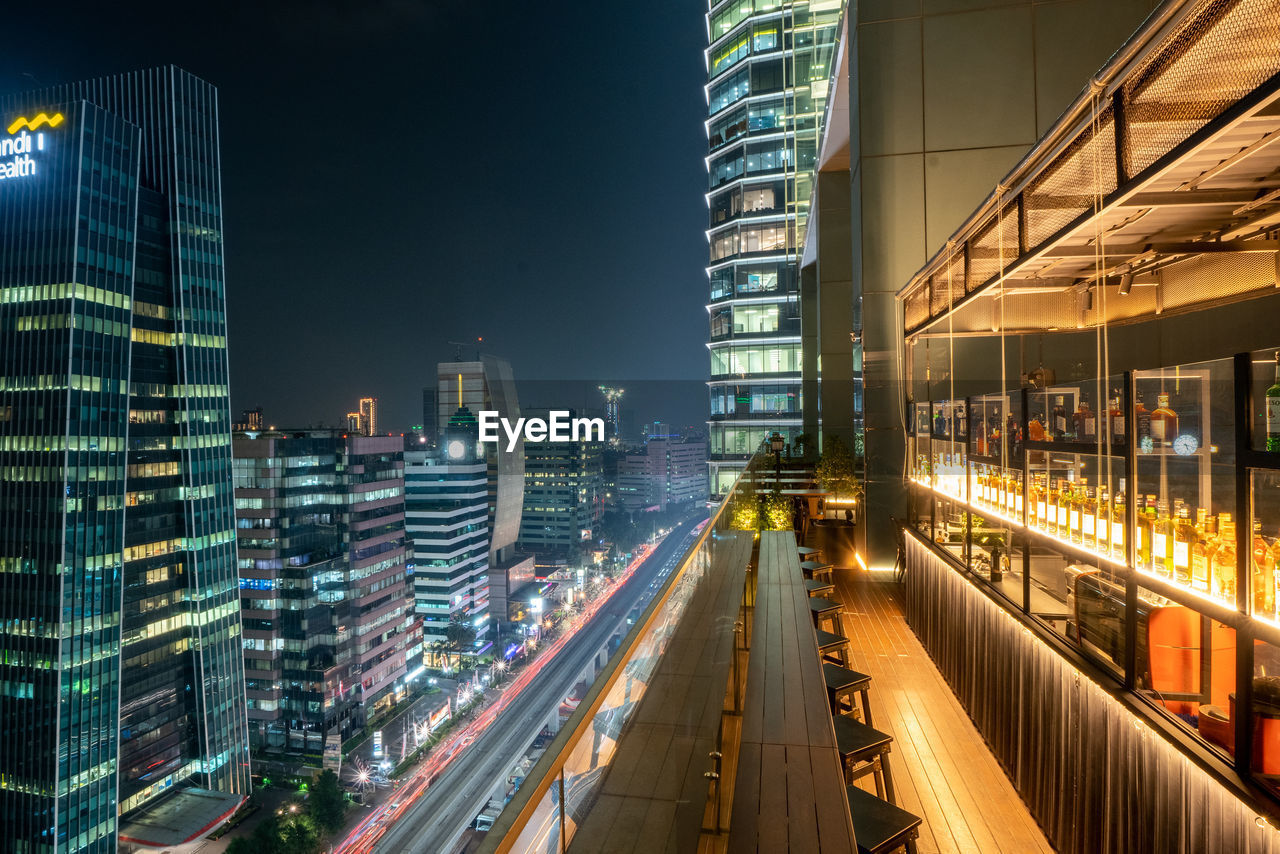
x=327, y=805
x=266, y=837
x=241, y=845
x=777, y=512
x=836, y=473
x=459, y=636
x=299, y=835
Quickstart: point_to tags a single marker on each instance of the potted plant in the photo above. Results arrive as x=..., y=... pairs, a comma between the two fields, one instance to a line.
x=837, y=476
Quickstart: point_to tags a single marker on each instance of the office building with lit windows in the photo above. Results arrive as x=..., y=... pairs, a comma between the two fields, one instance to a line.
x=768, y=65
x=563, y=495
x=328, y=616
x=121, y=668
x=488, y=383
x=447, y=519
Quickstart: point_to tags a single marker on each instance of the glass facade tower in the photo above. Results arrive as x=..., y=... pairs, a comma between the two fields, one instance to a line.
x=768, y=68
x=121, y=673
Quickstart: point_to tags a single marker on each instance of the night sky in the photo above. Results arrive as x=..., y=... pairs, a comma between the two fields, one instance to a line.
x=399, y=174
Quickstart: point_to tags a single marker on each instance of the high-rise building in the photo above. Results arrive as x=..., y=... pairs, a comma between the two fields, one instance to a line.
x=563, y=495
x=121, y=663
x=447, y=518
x=768, y=65
x=388, y=631
x=329, y=622
x=670, y=471
x=488, y=384
x=369, y=415
x=300, y=673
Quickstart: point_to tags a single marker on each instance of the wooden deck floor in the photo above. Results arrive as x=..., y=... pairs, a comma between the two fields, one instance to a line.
x=942, y=768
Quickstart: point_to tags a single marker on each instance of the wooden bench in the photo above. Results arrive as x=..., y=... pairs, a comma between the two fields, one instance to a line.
x=815, y=570
x=826, y=611
x=881, y=827
x=833, y=647
x=865, y=750
x=842, y=683
x=819, y=588
x=789, y=793
x=654, y=794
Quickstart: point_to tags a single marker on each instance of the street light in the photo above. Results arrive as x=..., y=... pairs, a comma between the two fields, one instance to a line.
x=777, y=443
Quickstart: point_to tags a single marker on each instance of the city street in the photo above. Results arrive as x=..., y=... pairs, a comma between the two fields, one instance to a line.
x=448, y=804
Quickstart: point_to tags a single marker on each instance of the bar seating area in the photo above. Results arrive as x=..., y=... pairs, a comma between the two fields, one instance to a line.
x=892, y=711
x=804, y=709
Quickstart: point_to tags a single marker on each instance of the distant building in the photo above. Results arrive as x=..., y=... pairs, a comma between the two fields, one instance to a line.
x=329, y=623
x=369, y=415
x=250, y=420
x=506, y=580
x=563, y=497
x=430, y=430
x=488, y=384
x=447, y=513
x=670, y=471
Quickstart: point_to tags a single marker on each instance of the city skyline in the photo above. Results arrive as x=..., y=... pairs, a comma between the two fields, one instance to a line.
x=342, y=205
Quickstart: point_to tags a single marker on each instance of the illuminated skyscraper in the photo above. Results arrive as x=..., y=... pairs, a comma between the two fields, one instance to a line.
x=768, y=66
x=369, y=415
x=121, y=661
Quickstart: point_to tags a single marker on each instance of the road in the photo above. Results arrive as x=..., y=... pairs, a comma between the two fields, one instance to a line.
x=448, y=805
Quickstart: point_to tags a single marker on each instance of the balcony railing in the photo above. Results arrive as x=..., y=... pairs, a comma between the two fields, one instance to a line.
x=563, y=791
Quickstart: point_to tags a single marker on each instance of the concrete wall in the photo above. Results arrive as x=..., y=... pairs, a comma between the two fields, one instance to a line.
x=948, y=95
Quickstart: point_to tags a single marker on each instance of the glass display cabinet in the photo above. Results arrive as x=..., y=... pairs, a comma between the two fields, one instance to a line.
x=1144, y=532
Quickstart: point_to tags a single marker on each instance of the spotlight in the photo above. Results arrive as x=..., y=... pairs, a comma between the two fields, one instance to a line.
x=1126, y=283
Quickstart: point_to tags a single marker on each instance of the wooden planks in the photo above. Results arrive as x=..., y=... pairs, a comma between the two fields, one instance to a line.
x=653, y=795
x=789, y=791
x=943, y=771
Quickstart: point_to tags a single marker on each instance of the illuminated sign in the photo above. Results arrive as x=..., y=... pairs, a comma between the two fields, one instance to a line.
x=24, y=139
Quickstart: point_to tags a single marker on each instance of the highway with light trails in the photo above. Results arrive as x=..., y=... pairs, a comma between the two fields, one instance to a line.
x=436, y=801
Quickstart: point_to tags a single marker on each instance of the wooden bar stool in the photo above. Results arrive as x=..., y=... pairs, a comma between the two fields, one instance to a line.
x=864, y=750
x=842, y=684
x=807, y=553
x=815, y=571
x=833, y=647
x=878, y=826
x=818, y=588
x=826, y=611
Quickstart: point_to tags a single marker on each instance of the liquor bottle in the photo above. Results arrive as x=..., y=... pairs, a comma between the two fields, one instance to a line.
x=1224, y=560
x=1102, y=525
x=1074, y=511
x=1035, y=430
x=1184, y=536
x=1161, y=534
x=1013, y=435
x=1273, y=410
x=1263, y=575
x=1202, y=545
x=1146, y=521
x=1063, y=504
x=1088, y=517
x=940, y=425
x=1085, y=422
x=1164, y=423
x=1141, y=420
x=1040, y=503
x=1116, y=416
x=957, y=421
x=1058, y=419
x=1118, y=523
x=993, y=436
